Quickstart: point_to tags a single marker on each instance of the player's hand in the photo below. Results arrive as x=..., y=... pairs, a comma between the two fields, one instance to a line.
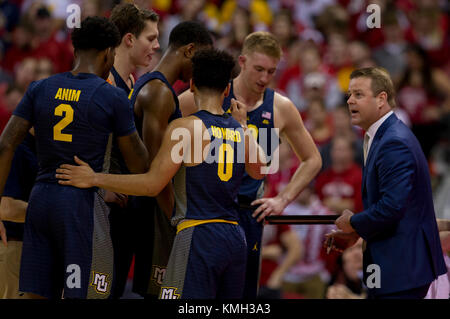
x=275, y=280
x=239, y=111
x=339, y=291
x=3, y=234
x=117, y=198
x=343, y=222
x=341, y=240
x=81, y=176
x=268, y=206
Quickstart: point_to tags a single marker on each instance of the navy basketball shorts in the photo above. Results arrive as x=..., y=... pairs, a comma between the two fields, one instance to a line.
x=207, y=261
x=155, y=250
x=253, y=235
x=67, y=250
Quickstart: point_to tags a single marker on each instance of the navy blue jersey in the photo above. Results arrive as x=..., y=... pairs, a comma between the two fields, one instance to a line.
x=143, y=80
x=209, y=190
x=120, y=83
x=151, y=253
x=24, y=168
x=260, y=123
x=74, y=115
x=118, y=164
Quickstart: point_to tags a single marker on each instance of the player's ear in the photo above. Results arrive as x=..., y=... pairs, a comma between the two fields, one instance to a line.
x=128, y=39
x=104, y=55
x=109, y=52
x=227, y=90
x=241, y=60
x=189, y=50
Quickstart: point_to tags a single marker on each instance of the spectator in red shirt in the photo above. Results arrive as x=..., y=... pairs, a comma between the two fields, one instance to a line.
x=343, y=127
x=281, y=249
x=298, y=83
x=339, y=187
x=52, y=44
x=430, y=30
x=319, y=123
x=21, y=47
x=308, y=278
x=347, y=283
x=25, y=73
x=422, y=93
x=288, y=164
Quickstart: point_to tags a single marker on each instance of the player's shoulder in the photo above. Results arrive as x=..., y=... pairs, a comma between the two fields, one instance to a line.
x=111, y=92
x=156, y=85
x=187, y=122
x=155, y=94
x=281, y=101
x=190, y=123
x=38, y=84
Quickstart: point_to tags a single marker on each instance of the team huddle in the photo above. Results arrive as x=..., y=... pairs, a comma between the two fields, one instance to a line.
x=98, y=170
x=116, y=179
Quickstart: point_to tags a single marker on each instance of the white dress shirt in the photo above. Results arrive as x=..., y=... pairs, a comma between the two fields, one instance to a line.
x=374, y=128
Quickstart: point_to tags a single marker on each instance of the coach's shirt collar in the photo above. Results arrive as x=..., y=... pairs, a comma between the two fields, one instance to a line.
x=374, y=128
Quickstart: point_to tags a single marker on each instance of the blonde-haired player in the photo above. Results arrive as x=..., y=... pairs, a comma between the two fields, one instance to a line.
x=266, y=111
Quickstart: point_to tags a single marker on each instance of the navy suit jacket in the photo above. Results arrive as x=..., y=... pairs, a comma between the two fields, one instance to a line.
x=398, y=221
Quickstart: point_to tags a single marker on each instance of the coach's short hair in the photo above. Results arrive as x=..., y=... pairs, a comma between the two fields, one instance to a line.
x=262, y=42
x=211, y=69
x=189, y=32
x=381, y=81
x=95, y=33
x=128, y=18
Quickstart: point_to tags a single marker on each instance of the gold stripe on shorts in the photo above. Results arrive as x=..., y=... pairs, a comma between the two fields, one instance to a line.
x=195, y=222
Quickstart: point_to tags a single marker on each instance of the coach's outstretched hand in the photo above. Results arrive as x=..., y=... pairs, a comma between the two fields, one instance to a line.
x=342, y=240
x=81, y=176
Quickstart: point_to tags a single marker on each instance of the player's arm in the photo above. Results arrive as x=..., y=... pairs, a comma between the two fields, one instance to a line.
x=288, y=120
x=13, y=134
x=13, y=210
x=162, y=169
x=294, y=251
x=130, y=144
x=255, y=158
x=157, y=104
x=134, y=152
x=187, y=103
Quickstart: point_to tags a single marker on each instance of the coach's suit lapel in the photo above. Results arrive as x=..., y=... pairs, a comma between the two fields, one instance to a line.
x=374, y=147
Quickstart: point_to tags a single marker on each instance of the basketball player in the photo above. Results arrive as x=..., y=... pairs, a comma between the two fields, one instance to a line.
x=155, y=106
x=209, y=252
x=67, y=249
x=267, y=110
x=139, y=41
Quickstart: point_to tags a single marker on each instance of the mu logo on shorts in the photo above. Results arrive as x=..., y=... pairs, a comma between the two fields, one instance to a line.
x=169, y=293
x=100, y=282
x=158, y=274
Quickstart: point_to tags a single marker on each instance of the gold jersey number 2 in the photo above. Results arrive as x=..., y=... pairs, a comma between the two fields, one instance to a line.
x=67, y=111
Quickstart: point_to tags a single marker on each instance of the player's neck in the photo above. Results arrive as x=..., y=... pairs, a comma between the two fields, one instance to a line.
x=123, y=66
x=209, y=102
x=169, y=66
x=86, y=64
x=245, y=95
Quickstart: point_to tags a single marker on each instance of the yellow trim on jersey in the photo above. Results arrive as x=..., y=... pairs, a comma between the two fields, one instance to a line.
x=195, y=222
